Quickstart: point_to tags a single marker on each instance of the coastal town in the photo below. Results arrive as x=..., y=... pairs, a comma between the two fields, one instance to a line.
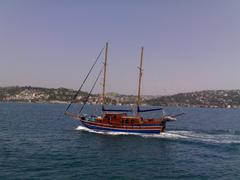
x=203, y=99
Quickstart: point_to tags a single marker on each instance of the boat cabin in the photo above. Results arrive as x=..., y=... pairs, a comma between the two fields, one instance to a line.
x=119, y=119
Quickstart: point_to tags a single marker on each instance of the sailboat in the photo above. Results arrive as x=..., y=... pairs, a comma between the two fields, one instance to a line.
x=119, y=120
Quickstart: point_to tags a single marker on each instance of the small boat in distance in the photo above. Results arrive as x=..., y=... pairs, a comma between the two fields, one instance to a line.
x=113, y=120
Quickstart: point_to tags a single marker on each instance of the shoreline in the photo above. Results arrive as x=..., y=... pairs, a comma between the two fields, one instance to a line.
x=67, y=102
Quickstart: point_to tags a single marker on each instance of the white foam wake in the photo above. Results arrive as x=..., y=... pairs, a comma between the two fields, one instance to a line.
x=224, y=138
x=179, y=135
x=199, y=137
x=82, y=128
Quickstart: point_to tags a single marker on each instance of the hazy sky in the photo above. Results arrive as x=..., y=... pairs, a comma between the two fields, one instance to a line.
x=189, y=44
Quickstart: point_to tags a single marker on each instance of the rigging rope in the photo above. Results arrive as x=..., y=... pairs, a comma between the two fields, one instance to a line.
x=74, y=97
x=89, y=94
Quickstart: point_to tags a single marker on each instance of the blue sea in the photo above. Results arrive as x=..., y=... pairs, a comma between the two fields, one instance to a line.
x=38, y=142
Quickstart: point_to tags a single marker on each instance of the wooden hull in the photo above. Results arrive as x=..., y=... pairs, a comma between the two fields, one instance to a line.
x=122, y=123
x=144, y=129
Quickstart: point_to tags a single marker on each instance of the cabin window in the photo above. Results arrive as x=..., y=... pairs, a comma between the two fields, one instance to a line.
x=126, y=121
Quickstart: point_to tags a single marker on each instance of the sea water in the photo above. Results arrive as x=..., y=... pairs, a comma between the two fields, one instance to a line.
x=38, y=142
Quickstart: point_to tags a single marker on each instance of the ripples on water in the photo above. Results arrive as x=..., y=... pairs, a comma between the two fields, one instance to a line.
x=38, y=142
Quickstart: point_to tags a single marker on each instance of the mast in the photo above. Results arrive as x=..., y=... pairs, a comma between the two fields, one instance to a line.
x=139, y=82
x=104, y=76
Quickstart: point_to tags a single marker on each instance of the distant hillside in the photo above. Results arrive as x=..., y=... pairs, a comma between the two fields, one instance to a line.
x=210, y=98
x=55, y=95
x=37, y=94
